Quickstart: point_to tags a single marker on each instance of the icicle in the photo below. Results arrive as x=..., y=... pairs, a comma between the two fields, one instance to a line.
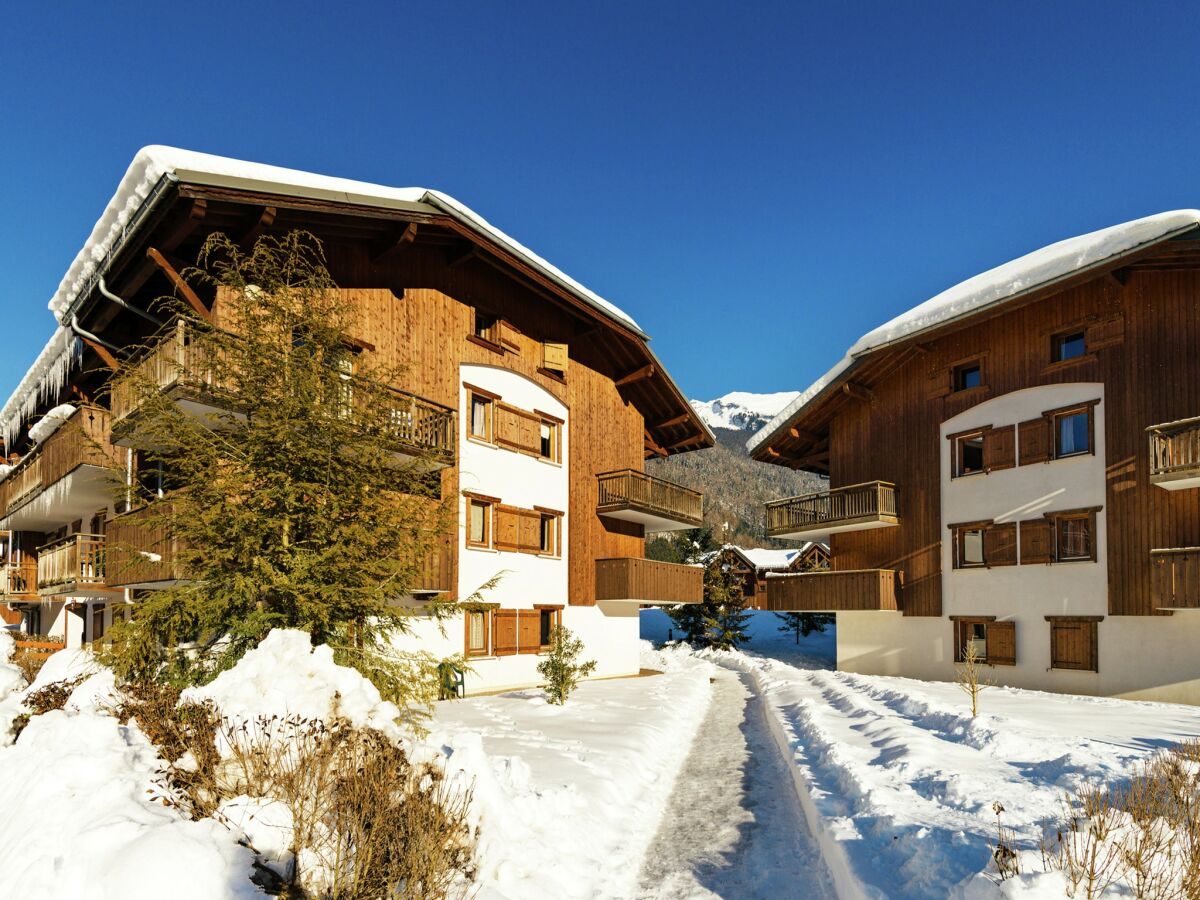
x=44, y=382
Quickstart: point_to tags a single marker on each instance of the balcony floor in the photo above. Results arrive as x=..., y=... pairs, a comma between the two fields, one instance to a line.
x=652, y=521
x=1187, y=479
x=76, y=496
x=818, y=532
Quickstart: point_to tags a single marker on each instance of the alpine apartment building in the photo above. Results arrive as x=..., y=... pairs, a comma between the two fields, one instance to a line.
x=538, y=400
x=1015, y=465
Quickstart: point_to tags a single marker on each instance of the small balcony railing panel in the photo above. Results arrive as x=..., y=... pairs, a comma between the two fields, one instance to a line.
x=868, y=505
x=648, y=581
x=1175, y=578
x=1175, y=454
x=850, y=590
x=83, y=439
x=18, y=580
x=77, y=561
x=626, y=493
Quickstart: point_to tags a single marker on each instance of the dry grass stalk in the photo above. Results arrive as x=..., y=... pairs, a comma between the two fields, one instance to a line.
x=972, y=677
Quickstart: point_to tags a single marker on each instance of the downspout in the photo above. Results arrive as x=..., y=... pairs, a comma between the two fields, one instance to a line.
x=103, y=288
x=87, y=335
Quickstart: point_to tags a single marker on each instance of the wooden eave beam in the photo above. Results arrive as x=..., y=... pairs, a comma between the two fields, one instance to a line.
x=189, y=221
x=800, y=434
x=394, y=242
x=652, y=446
x=858, y=392
x=101, y=351
x=686, y=442
x=667, y=423
x=180, y=285
x=264, y=220
x=462, y=257
x=646, y=371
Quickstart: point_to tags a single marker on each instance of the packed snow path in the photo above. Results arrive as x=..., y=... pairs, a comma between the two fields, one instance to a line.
x=733, y=828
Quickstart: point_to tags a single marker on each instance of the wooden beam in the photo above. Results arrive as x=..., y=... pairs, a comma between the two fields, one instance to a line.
x=188, y=222
x=265, y=219
x=646, y=371
x=858, y=392
x=692, y=439
x=801, y=435
x=462, y=257
x=810, y=459
x=772, y=452
x=1119, y=276
x=107, y=358
x=180, y=285
x=393, y=242
x=652, y=445
x=667, y=423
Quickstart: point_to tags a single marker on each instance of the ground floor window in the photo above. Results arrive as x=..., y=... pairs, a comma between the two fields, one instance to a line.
x=1073, y=642
x=548, y=620
x=995, y=643
x=478, y=631
x=97, y=621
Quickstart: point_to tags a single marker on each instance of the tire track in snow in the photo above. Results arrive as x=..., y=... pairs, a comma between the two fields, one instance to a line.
x=732, y=828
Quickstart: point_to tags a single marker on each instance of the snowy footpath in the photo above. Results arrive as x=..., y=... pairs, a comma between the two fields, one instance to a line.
x=898, y=781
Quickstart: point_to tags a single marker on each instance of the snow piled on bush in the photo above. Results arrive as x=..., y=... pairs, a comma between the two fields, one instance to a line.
x=286, y=675
x=11, y=679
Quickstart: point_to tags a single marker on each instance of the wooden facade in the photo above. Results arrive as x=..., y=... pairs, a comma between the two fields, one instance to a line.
x=880, y=420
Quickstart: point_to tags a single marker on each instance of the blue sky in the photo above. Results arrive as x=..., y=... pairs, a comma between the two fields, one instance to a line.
x=757, y=184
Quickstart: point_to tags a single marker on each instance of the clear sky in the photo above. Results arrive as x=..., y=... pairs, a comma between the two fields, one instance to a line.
x=756, y=184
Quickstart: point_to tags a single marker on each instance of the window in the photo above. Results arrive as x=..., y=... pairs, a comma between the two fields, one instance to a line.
x=968, y=454
x=967, y=376
x=1072, y=432
x=344, y=403
x=477, y=633
x=487, y=327
x=548, y=440
x=1067, y=346
x=546, y=622
x=1073, y=643
x=995, y=643
x=1073, y=537
x=968, y=546
x=481, y=417
x=479, y=522
x=548, y=535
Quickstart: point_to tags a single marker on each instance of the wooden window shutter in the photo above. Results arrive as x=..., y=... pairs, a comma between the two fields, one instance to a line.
x=1105, y=333
x=528, y=631
x=507, y=528
x=1033, y=438
x=529, y=437
x=504, y=424
x=1002, y=643
x=1000, y=545
x=504, y=632
x=530, y=532
x=1073, y=645
x=1037, y=539
x=508, y=335
x=554, y=357
x=1000, y=448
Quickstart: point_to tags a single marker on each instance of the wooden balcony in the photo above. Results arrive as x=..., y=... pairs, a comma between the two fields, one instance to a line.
x=856, y=507
x=76, y=460
x=645, y=581
x=73, y=566
x=18, y=582
x=186, y=372
x=1175, y=578
x=851, y=590
x=657, y=504
x=141, y=553
x=1175, y=454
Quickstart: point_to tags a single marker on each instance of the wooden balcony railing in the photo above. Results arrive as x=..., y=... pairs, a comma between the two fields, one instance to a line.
x=18, y=581
x=628, y=493
x=859, y=589
x=631, y=578
x=179, y=363
x=140, y=552
x=1175, y=578
x=858, y=506
x=1175, y=453
x=41, y=648
x=73, y=562
x=437, y=569
x=82, y=440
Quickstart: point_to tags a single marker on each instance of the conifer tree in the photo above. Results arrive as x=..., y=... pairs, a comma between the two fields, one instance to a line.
x=561, y=667
x=803, y=624
x=690, y=547
x=725, y=607
x=290, y=506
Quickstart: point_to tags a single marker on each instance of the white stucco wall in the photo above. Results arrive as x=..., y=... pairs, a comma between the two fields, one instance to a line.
x=1139, y=656
x=609, y=631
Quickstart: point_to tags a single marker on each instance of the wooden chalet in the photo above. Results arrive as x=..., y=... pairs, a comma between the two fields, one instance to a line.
x=537, y=398
x=751, y=566
x=1015, y=462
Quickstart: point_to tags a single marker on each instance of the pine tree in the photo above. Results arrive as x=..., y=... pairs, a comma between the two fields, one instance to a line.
x=690, y=547
x=291, y=508
x=561, y=667
x=726, y=609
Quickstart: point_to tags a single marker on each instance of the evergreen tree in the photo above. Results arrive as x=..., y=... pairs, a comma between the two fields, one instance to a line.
x=804, y=624
x=561, y=667
x=690, y=547
x=725, y=607
x=291, y=507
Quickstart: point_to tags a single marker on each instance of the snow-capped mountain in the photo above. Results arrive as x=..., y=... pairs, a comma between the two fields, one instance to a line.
x=743, y=411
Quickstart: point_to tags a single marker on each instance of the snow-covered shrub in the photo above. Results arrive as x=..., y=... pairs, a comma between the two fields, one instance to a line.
x=561, y=667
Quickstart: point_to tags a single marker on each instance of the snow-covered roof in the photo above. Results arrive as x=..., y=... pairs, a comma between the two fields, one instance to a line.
x=999, y=285
x=152, y=163
x=763, y=558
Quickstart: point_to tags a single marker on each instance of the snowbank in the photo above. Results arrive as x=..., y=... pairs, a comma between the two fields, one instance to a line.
x=286, y=675
x=996, y=285
x=11, y=679
x=569, y=798
x=898, y=780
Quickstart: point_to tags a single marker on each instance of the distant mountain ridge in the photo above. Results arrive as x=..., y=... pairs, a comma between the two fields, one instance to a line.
x=742, y=410
x=735, y=486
